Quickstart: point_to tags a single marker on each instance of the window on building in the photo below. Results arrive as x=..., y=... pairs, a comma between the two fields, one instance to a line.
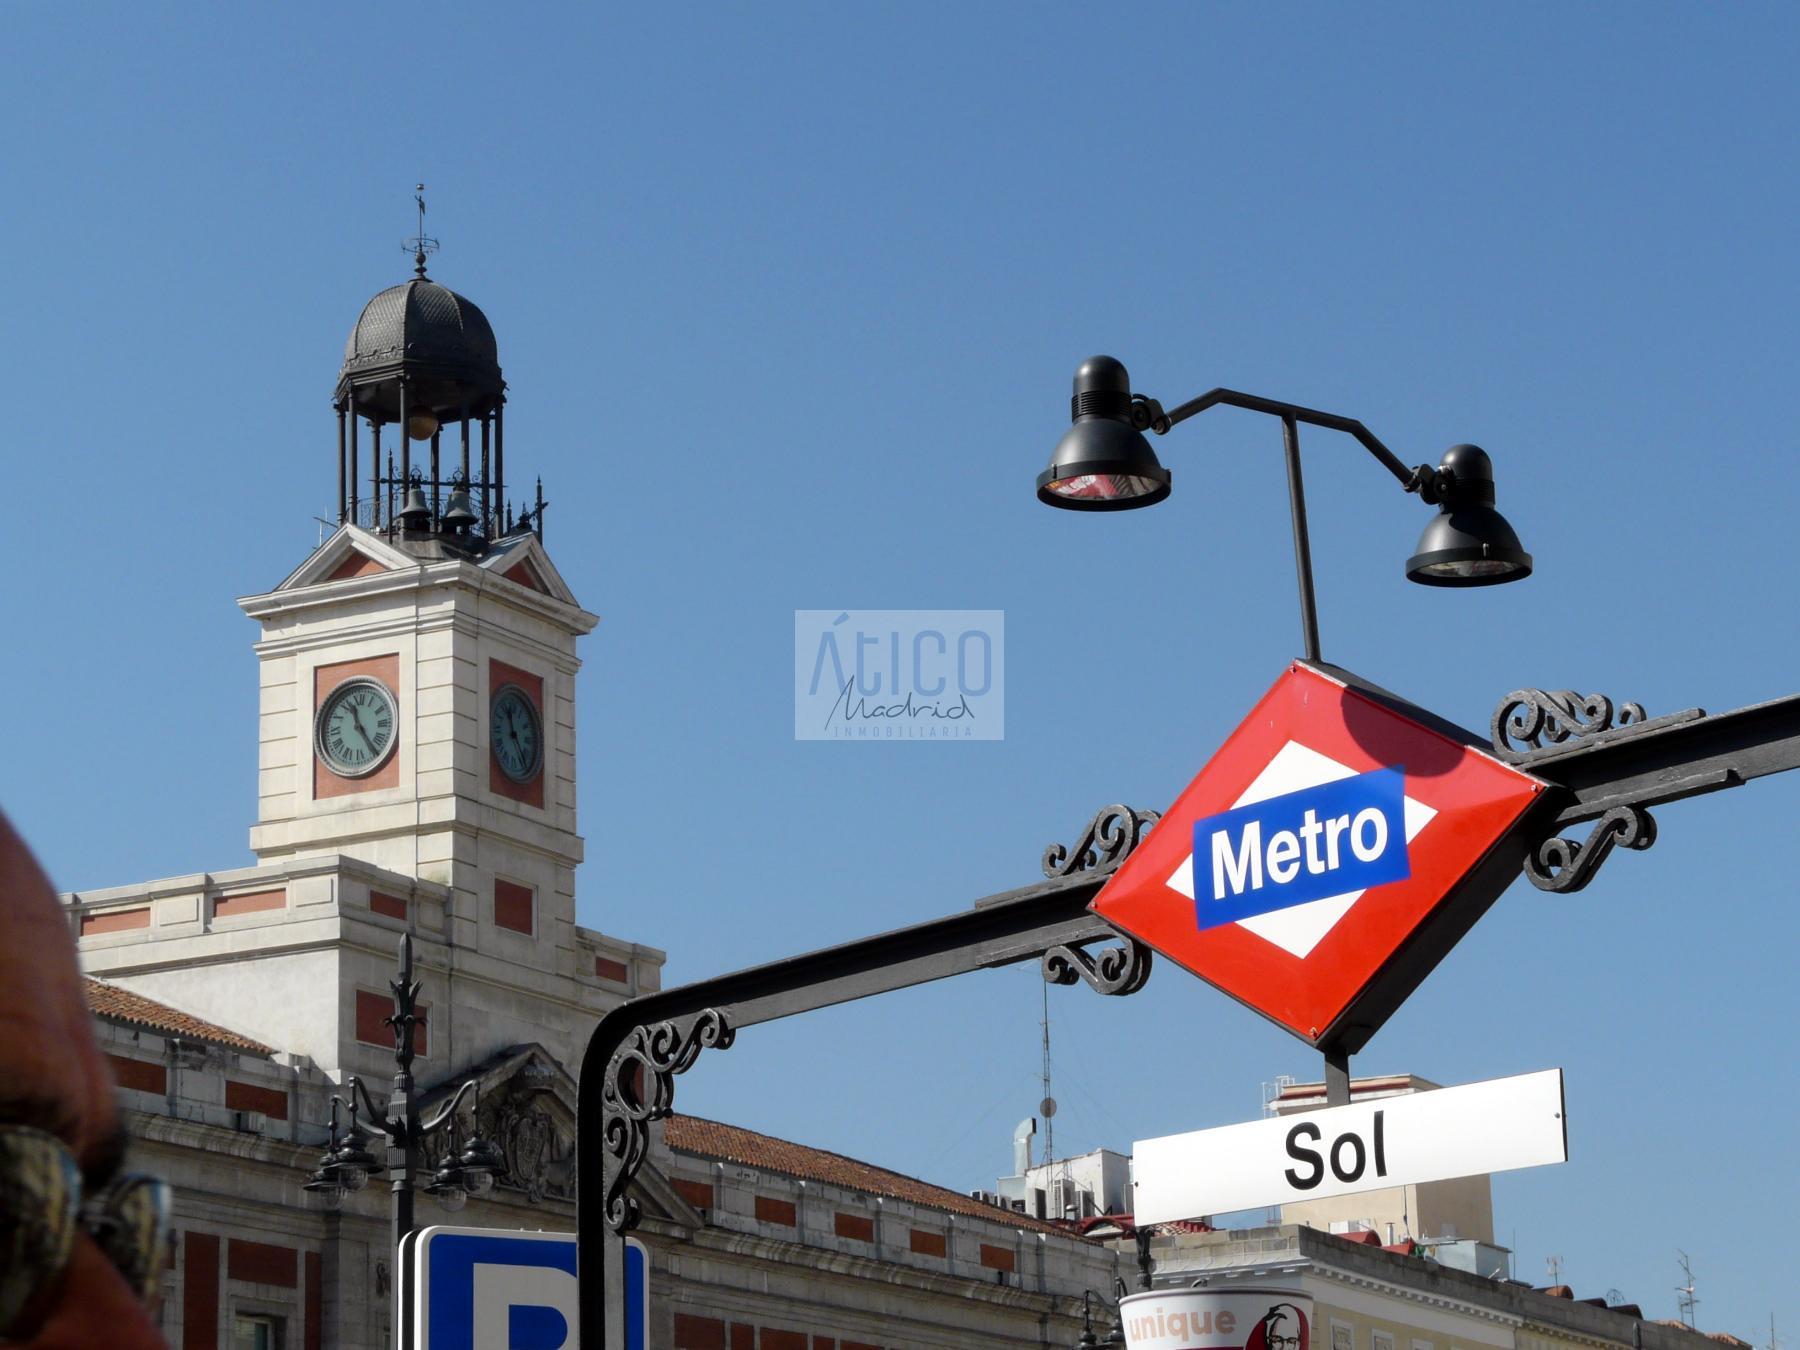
x=256, y=1331
x=1381, y=1340
x=1343, y=1337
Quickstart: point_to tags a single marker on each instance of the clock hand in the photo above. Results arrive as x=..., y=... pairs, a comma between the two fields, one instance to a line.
x=356, y=717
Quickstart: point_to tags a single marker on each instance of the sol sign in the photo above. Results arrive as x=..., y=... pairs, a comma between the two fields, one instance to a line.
x=1395, y=1141
x=1328, y=856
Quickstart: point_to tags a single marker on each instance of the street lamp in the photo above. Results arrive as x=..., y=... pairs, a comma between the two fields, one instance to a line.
x=1103, y=463
x=468, y=1168
x=1114, y=1337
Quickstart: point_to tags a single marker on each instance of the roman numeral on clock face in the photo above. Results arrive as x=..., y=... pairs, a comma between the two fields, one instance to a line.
x=356, y=727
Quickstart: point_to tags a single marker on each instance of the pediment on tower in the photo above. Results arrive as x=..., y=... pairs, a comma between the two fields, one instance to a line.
x=351, y=552
x=521, y=559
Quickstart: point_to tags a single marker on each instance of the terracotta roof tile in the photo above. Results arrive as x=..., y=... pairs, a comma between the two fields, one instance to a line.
x=711, y=1139
x=122, y=1005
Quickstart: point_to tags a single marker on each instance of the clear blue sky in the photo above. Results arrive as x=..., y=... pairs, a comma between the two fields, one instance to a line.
x=788, y=297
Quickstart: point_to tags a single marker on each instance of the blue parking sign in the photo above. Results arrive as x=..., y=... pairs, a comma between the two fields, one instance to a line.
x=501, y=1289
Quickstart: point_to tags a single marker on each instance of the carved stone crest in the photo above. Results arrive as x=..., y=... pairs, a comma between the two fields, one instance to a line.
x=534, y=1128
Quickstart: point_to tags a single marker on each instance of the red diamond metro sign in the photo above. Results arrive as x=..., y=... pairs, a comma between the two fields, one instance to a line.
x=1328, y=857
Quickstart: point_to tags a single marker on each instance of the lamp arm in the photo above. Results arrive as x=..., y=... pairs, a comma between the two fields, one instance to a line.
x=449, y=1108
x=1413, y=480
x=377, y=1119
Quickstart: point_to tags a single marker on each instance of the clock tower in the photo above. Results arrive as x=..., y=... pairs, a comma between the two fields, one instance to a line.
x=416, y=745
x=418, y=670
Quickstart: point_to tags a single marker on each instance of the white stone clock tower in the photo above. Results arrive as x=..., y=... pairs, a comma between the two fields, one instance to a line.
x=416, y=750
x=446, y=636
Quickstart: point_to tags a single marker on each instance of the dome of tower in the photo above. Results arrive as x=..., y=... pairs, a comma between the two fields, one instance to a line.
x=420, y=318
x=438, y=339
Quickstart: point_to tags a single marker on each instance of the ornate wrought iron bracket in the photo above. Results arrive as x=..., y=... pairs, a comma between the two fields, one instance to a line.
x=1116, y=970
x=1533, y=720
x=1106, y=842
x=1566, y=865
x=640, y=1087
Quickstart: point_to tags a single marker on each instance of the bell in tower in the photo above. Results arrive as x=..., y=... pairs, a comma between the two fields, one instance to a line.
x=422, y=361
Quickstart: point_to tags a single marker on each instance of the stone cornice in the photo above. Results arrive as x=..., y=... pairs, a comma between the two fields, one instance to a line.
x=424, y=577
x=328, y=864
x=822, y=1261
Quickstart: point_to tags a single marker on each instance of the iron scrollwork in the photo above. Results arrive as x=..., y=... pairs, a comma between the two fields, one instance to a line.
x=1566, y=865
x=1109, y=838
x=1107, y=841
x=1116, y=970
x=639, y=1087
x=1536, y=719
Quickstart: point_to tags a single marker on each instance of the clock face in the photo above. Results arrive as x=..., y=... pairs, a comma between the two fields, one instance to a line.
x=356, y=725
x=516, y=734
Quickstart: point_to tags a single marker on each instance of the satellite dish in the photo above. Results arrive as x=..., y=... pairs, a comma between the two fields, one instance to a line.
x=1047, y=1107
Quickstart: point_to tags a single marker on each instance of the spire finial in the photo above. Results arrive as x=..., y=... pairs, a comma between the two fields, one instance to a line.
x=421, y=243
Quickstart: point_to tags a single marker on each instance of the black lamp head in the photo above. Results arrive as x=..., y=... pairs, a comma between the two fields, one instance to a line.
x=1468, y=543
x=1103, y=462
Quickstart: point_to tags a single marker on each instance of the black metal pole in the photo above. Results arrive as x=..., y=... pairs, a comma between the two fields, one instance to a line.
x=465, y=446
x=1002, y=929
x=500, y=454
x=1309, y=609
x=403, y=1131
x=1337, y=1076
x=436, y=505
x=487, y=505
x=355, y=487
x=1232, y=398
x=343, y=492
x=405, y=439
x=375, y=469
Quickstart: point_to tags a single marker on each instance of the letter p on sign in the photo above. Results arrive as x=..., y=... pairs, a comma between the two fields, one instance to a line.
x=499, y=1289
x=525, y=1307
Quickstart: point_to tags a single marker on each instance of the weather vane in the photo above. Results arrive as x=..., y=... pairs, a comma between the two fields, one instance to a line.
x=421, y=243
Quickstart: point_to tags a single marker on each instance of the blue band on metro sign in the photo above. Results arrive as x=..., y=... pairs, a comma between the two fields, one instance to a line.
x=1342, y=836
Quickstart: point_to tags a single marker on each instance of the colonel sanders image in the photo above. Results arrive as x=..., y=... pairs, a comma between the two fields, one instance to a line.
x=1283, y=1327
x=82, y=1240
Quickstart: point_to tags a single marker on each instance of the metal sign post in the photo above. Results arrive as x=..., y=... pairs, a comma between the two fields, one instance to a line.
x=1602, y=762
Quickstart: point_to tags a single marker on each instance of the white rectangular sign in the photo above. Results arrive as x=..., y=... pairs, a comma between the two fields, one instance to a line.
x=1396, y=1141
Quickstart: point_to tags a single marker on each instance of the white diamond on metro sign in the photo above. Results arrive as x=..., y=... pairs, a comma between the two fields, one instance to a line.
x=1299, y=928
x=1328, y=780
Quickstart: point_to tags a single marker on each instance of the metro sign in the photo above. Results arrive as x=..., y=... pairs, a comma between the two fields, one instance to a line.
x=1328, y=857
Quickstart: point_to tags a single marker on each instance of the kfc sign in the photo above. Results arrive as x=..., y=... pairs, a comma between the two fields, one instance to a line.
x=1226, y=1318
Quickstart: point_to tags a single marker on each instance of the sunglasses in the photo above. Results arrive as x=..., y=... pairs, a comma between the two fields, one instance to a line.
x=44, y=1204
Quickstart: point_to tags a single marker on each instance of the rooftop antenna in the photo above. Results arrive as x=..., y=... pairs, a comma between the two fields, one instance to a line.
x=421, y=243
x=1685, y=1289
x=1271, y=1092
x=1553, y=1265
